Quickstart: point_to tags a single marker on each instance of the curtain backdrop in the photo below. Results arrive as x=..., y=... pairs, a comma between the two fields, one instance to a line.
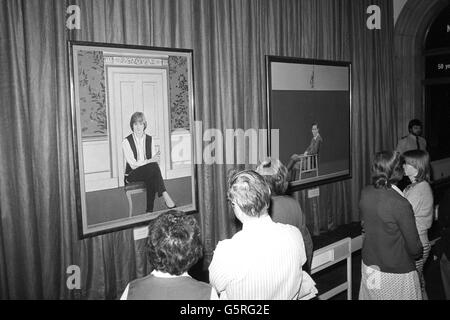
x=38, y=226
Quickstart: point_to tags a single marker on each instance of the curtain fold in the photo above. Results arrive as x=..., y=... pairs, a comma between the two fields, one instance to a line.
x=374, y=114
x=38, y=226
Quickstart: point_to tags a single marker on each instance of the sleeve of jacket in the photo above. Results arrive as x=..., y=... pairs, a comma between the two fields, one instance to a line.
x=221, y=267
x=306, y=235
x=314, y=146
x=407, y=224
x=309, y=248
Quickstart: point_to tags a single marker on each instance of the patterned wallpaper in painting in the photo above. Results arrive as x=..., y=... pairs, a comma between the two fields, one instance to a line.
x=91, y=75
x=179, y=92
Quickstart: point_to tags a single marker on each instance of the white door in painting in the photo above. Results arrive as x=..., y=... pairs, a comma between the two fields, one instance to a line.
x=131, y=90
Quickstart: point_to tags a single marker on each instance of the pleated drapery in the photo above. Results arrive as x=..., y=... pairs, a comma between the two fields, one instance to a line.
x=38, y=226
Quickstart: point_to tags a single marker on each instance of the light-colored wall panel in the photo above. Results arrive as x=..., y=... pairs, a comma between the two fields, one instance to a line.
x=96, y=156
x=293, y=77
x=181, y=147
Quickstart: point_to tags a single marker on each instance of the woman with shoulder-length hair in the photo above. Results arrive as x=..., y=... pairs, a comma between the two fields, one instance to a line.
x=420, y=195
x=284, y=208
x=391, y=242
x=142, y=162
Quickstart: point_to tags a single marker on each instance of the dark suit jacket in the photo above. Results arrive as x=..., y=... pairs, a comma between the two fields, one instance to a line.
x=391, y=241
x=314, y=146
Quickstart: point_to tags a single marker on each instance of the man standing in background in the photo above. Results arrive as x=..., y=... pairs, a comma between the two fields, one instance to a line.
x=413, y=141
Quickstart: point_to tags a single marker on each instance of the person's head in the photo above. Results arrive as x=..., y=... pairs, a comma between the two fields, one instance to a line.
x=249, y=195
x=387, y=169
x=138, y=124
x=315, y=129
x=415, y=127
x=417, y=165
x=174, y=243
x=275, y=174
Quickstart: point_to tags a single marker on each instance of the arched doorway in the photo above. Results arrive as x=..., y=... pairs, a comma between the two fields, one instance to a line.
x=437, y=86
x=409, y=39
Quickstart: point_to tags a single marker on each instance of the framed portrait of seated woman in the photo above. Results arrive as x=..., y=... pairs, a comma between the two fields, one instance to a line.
x=309, y=102
x=133, y=119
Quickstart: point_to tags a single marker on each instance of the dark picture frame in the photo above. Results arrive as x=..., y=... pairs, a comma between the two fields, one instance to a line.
x=108, y=83
x=305, y=95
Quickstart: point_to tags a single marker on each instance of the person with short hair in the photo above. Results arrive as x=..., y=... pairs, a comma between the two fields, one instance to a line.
x=174, y=246
x=391, y=243
x=316, y=140
x=284, y=208
x=413, y=141
x=264, y=260
x=420, y=195
x=142, y=162
x=312, y=149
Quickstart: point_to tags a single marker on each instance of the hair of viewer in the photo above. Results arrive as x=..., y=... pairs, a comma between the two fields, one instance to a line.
x=275, y=173
x=174, y=243
x=387, y=169
x=248, y=190
x=419, y=159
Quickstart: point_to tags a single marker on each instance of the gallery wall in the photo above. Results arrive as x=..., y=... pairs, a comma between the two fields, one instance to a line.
x=39, y=242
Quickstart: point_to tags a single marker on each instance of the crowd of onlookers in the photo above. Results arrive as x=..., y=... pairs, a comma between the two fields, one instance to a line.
x=270, y=258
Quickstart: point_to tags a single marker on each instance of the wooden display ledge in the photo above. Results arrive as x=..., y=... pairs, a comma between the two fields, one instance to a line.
x=353, y=230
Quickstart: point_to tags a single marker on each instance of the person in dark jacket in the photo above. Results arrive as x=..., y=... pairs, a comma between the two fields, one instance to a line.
x=307, y=163
x=391, y=241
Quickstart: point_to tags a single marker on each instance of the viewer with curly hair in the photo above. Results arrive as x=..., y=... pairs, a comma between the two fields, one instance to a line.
x=174, y=246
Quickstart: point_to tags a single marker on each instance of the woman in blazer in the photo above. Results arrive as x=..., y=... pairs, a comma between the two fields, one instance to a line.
x=391, y=241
